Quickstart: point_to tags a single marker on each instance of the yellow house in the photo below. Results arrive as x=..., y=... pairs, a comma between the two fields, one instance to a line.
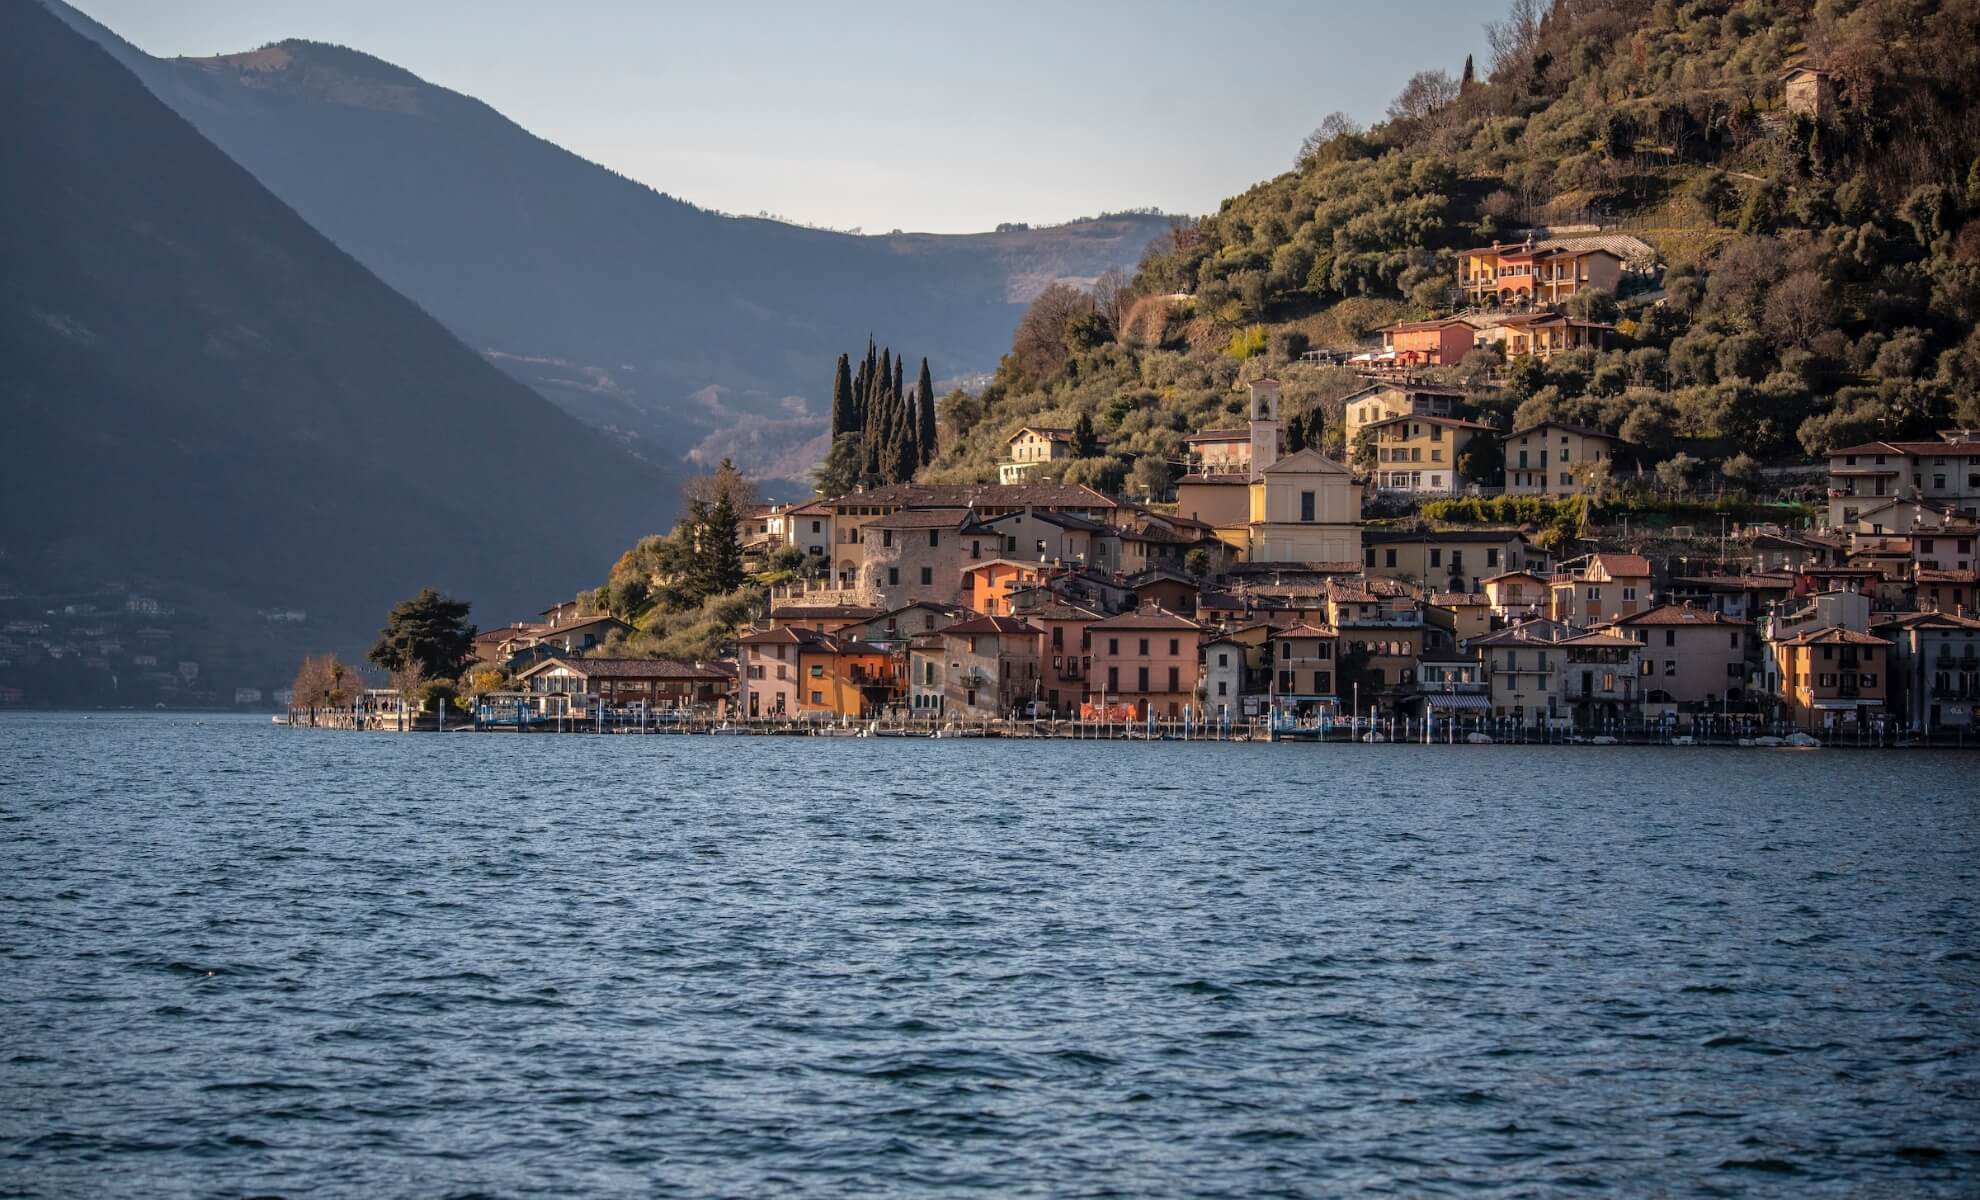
x=1305, y=508
x=1417, y=455
x=1552, y=458
x=1382, y=401
x=1031, y=447
x=1541, y=335
x=1608, y=587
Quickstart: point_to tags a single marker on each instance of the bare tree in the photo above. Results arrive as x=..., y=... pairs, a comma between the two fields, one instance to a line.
x=1423, y=95
x=1040, y=342
x=1114, y=296
x=1798, y=308
x=725, y=480
x=1333, y=125
x=1514, y=39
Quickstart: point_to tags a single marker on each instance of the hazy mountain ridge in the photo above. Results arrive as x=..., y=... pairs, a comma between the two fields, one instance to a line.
x=617, y=301
x=203, y=393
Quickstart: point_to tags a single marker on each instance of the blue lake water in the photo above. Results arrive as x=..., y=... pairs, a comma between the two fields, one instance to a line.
x=241, y=960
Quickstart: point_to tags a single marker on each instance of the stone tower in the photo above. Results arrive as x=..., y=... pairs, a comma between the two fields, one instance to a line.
x=1264, y=425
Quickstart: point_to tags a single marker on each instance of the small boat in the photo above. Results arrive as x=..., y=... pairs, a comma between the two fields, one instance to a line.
x=279, y=719
x=1603, y=740
x=1766, y=740
x=1684, y=739
x=1373, y=736
x=1801, y=741
x=1478, y=739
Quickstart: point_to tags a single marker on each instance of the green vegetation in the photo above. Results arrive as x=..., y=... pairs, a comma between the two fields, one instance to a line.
x=427, y=637
x=881, y=432
x=686, y=592
x=1823, y=277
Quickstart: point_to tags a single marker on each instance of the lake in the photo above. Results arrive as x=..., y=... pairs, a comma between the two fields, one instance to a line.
x=248, y=960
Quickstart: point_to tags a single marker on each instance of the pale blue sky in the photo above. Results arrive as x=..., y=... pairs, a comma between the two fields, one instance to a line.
x=923, y=116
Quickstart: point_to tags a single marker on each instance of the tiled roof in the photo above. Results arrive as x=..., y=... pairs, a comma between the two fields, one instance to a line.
x=1447, y=422
x=923, y=518
x=824, y=612
x=1600, y=641
x=991, y=625
x=1679, y=614
x=1459, y=599
x=1929, y=575
x=1564, y=427
x=977, y=495
x=1305, y=631
x=1834, y=635
x=1147, y=618
x=632, y=668
x=1622, y=566
x=1389, y=537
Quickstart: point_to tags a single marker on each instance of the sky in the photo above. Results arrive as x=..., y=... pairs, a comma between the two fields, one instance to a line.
x=923, y=116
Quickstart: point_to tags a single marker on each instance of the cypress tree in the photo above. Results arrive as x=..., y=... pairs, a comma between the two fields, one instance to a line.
x=842, y=401
x=900, y=388
x=901, y=444
x=924, y=404
x=722, y=546
x=1085, y=443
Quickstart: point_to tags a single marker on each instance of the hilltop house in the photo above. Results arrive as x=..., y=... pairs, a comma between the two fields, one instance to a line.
x=1536, y=272
x=1031, y=447
x=1552, y=458
x=1381, y=401
x=1540, y=335
x=1418, y=455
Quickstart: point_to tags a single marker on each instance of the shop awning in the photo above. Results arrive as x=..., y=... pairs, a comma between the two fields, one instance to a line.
x=1471, y=702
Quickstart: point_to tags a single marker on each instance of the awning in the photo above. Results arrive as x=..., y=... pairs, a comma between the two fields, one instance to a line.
x=1480, y=703
x=1846, y=705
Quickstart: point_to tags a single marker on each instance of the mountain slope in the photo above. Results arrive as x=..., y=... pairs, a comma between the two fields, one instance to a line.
x=201, y=393
x=633, y=310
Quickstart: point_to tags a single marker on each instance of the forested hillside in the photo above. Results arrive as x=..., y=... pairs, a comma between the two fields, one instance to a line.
x=1821, y=276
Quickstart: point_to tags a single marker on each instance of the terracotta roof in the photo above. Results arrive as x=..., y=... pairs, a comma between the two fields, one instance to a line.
x=1220, y=435
x=1449, y=422
x=1622, y=566
x=1929, y=575
x=1834, y=635
x=1601, y=641
x=1583, y=430
x=923, y=518
x=630, y=668
x=977, y=495
x=1305, y=631
x=1383, y=537
x=1679, y=614
x=1147, y=618
x=1419, y=326
x=1912, y=449
x=824, y=612
x=991, y=625
x=1459, y=599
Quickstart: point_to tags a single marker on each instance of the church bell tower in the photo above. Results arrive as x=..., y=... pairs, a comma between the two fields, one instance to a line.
x=1264, y=425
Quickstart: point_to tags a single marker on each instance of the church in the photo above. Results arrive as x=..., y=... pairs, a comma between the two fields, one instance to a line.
x=1305, y=507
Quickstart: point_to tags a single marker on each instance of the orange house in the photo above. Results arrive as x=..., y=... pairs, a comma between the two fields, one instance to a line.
x=842, y=677
x=1831, y=677
x=987, y=586
x=1146, y=659
x=1440, y=343
x=1528, y=274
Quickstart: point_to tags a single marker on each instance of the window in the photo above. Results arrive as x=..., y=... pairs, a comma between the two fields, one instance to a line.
x=817, y=671
x=928, y=574
x=1141, y=679
x=976, y=549
x=1670, y=637
x=1566, y=479
x=1735, y=671
x=1223, y=688
x=1670, y=668
x=886, y=537
x=1629, y=593
x=1436, y=558
x=1594, y=591
x=817, y=697
x=1113, y=645
x=1285, y=649
x=1175, y=679
x=1175, y=646
x=1113, y=679
x=1735, y=639
x=1306, y=506
x=1827, y=680
x=893, y=575
x=1368, y=557
x=815, y=527
x=1388, y=558
x=1869, y=679
x=1491, y=558
x=1143, y=648
x=1322, y=682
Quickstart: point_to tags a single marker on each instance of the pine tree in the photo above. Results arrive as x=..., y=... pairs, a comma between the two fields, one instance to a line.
x=842, y=397
x=924, y=406
x=722, y=547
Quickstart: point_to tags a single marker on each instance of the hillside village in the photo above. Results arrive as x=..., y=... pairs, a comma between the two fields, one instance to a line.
x=1263, y=593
